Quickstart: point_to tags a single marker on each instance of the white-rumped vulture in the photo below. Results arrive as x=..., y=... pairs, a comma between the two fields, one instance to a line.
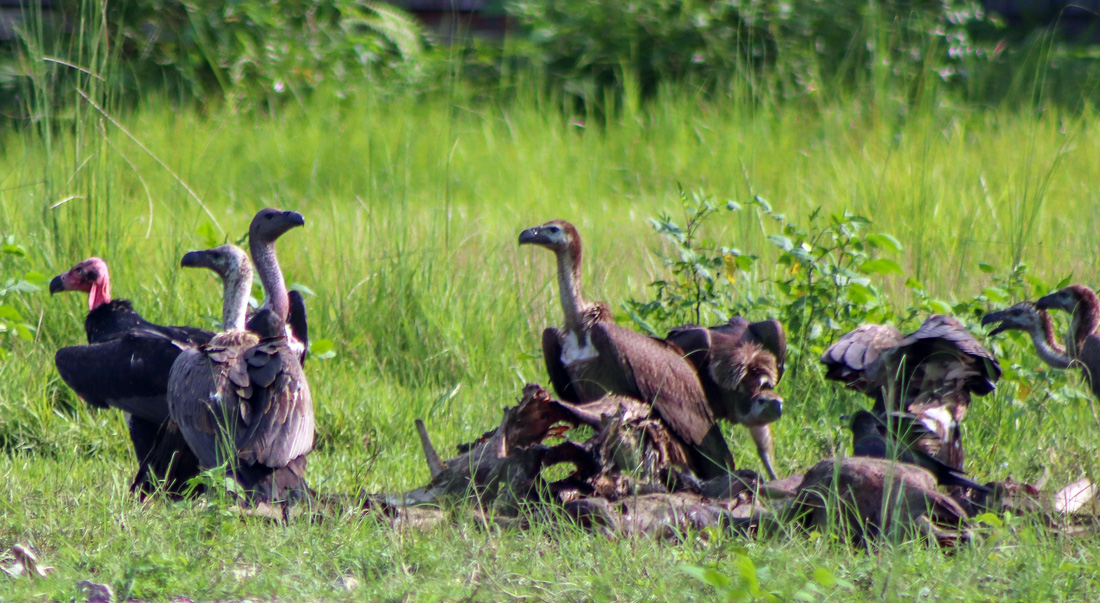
x=597, y=357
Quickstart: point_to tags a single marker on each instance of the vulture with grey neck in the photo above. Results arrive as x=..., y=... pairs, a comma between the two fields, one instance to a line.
x=739, y=364
x=125, y=365
x=243, y=399
x=592, y=356
x=1082, y=340
x=1027, y=317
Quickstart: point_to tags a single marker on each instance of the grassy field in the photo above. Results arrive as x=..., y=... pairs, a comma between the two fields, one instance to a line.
x=413, y=209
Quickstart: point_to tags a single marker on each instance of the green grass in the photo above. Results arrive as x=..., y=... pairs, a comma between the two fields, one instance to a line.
x=413, y=209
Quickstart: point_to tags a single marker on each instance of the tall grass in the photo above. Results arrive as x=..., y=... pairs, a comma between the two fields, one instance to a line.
x=412, y=211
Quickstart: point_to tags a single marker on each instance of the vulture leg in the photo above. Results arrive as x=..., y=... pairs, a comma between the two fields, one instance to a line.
x=762, y=436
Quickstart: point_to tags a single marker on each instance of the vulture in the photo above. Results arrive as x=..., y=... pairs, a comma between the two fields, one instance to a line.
x=870, y=438
x=856, y=360
x=1082, y=340
x=125, y=365
x=1026, y=316
x=242, y=398
x=929, y=374
x=739, y=364
x=592, y=356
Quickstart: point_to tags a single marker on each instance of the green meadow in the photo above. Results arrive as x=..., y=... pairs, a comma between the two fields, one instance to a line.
x=428, y=309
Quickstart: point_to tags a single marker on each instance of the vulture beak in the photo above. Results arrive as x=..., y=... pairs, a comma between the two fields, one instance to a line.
x=58, y=284
x=996, y=318
x=294, y=218
x=531, y=236
x=767, y=407
x=1047, y=302
x=195, y=259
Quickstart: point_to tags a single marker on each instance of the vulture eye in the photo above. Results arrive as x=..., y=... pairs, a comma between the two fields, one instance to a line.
x=554, y=229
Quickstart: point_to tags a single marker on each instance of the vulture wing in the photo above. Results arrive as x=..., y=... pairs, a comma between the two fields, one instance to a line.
x=277, y=419
x=695, y=342
x=1088, y=358
x=940, y=334
x=655, y=371
x=168, y=458
x=297, y=321
x=129, y=372
x=560, y=378
x=196, y=392
x=855, y=358
x=772, y=337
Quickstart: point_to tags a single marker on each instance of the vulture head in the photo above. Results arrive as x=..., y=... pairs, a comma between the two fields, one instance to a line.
x=91, y=276
x=1067, y=298
x=228, y=261
x=1024, y=316
x=751, y=373
x=269, y=224
x=233, y=266
x=558, y=236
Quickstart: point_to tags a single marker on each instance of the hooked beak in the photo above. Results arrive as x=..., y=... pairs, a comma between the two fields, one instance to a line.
x=294, y=218
x=767, y=407
x=194, y=259
x=531, y=236
x=58, y=284
x=996, y=318
x=1047, y=302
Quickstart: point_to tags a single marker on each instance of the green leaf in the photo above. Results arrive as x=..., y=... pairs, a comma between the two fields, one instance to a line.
x=707, y=575
x=14, y=250
x=781, y=242
x=1065, y=281
x=302, y=289
x=824, y=577
x=322, y=348
x=25, y=331
x=36, y=278
x=25, y=287
x=208, y=235
x=939, y=307
x=990, y=519
x=986, y=268
x=884, y=241
x=763, y=203
x=880, y=266
x=9, y=313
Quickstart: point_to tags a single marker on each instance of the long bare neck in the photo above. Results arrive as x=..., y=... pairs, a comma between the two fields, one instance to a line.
x=238, y=286
x=1049, y=350
x=569, y=289
x=100, y=293
x=263, y=256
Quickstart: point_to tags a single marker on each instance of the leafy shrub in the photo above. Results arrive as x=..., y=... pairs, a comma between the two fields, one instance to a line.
x=821, y=285
x=249, y=52
x=13, y=326
x=591, y=45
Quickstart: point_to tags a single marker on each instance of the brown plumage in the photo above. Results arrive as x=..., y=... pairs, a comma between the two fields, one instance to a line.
x=856, y=359
x=929, y=374
x=739, y=364
x=597, y=356
x=1082, y=340
x=243, y=398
